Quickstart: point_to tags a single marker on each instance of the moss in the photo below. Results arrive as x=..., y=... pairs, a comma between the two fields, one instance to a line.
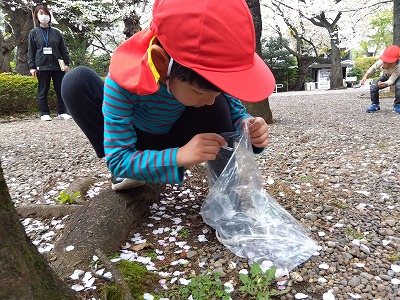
x=138, y=278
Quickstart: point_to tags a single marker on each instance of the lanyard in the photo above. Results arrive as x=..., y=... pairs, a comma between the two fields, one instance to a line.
x=46, y=38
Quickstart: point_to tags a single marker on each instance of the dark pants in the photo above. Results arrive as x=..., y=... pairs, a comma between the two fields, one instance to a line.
x=374, y=90
x=82, y=91
x=44, y=78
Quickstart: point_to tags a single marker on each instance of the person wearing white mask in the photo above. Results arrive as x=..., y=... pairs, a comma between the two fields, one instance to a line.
x=48, y=59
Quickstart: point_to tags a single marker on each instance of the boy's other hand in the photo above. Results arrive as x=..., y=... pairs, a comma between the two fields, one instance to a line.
x=202, y=147
x=259, y=133
x=382, y=85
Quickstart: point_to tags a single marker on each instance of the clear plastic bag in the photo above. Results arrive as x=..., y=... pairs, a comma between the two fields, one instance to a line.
x=247, y=220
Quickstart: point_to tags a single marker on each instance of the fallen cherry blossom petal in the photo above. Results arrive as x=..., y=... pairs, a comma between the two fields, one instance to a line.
x=395, y=268
x=328, y=295
x=77, y=287
x=324, y=266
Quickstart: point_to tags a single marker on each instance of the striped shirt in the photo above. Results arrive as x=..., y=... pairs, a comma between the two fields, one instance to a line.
x=155, y=113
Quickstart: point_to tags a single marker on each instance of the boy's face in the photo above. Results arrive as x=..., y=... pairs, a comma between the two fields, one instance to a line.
x=191, y=95
x=387, y=65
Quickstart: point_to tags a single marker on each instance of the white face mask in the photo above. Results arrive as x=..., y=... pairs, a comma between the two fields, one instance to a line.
x=171, y=61
x=44, y=19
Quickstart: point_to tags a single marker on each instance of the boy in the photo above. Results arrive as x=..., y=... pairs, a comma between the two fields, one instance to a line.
x=171, y=89
x=389, y=63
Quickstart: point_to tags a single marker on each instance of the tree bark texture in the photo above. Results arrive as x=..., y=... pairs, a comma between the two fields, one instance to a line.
x=104, y=223
x=262, y=108
x=24, y=273
x=321, y=20
x=21, y=22
x=396, y=22
x=6, y=47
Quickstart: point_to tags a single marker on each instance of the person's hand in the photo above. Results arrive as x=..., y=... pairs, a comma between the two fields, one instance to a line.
x=364, y=79
x=33, y=72
x=202, y=147
x=66, y=69
x=259, y=133
x=382, y=85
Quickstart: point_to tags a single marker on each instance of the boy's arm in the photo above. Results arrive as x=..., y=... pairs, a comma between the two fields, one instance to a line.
x=122, y=157
x=393, y=77
x=371, y=70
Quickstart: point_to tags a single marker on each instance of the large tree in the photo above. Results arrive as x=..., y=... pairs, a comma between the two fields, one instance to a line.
x=339, y=18
x=396, y=22
x=24, y=273
x=261, y=108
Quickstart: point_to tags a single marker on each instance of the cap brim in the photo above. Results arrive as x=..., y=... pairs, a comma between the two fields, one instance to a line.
x=251, y=85
x=388, y=59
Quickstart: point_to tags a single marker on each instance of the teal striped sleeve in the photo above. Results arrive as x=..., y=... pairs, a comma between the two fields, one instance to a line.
x=122, y=157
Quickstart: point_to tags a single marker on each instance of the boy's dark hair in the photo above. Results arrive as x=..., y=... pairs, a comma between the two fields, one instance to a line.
x=185, y=74
x=35, y=13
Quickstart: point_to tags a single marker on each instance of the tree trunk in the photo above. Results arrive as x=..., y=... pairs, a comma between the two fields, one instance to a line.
x=336, y=79
x=131, y=26
x=396, y=22
x=24, y=272
x=262, y=108
x=303, y=69
x=21, y=22
x=104, y=223
x=5, y=54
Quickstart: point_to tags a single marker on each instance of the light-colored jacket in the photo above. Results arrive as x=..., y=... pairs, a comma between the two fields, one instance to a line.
x=391, y=73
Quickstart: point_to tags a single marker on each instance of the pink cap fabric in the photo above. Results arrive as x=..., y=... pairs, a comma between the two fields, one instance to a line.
x=216, y=39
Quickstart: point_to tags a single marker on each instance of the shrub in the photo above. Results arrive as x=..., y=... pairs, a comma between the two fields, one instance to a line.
x=18, y=94
x=364, y=63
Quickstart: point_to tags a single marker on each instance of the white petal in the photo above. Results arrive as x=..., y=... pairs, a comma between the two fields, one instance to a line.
x=147, y=296
x=324, y=266
x=328, y=295
x=77, y=287
x=395, y=281
x=395, y=268
x=300, y=296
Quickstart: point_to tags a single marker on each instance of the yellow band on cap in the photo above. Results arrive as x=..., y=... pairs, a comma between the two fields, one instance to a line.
x=150, y=61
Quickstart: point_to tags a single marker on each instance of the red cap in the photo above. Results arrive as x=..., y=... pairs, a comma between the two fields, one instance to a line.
x=216, y=39
x=391, y=54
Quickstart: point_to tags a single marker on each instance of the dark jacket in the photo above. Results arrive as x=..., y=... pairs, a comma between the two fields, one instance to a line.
x=46, y=62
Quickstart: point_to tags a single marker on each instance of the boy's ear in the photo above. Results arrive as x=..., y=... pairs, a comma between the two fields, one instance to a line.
x=161, y=60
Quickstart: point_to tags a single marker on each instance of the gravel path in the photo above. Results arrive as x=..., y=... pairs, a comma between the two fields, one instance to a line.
x=334, y=167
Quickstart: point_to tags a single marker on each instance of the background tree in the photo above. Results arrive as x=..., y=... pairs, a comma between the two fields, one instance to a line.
x=379, y=33
x=305, y=45
x=340, y=20
x=396, y=22
x=86, y=25
x=262, y=108
x=281, y=62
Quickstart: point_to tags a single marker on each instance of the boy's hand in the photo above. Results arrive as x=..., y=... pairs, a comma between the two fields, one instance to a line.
x=382, y=85
x=259, y=133
x=202, y=147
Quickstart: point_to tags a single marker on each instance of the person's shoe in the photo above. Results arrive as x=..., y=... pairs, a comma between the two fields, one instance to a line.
x=45, y=118
x=396, y=108
x=64, y=117
x=119, y=183
x=373, y=108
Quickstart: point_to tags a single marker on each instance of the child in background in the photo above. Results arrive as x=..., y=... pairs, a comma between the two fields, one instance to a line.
x=171, y=89
x=389, y=63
